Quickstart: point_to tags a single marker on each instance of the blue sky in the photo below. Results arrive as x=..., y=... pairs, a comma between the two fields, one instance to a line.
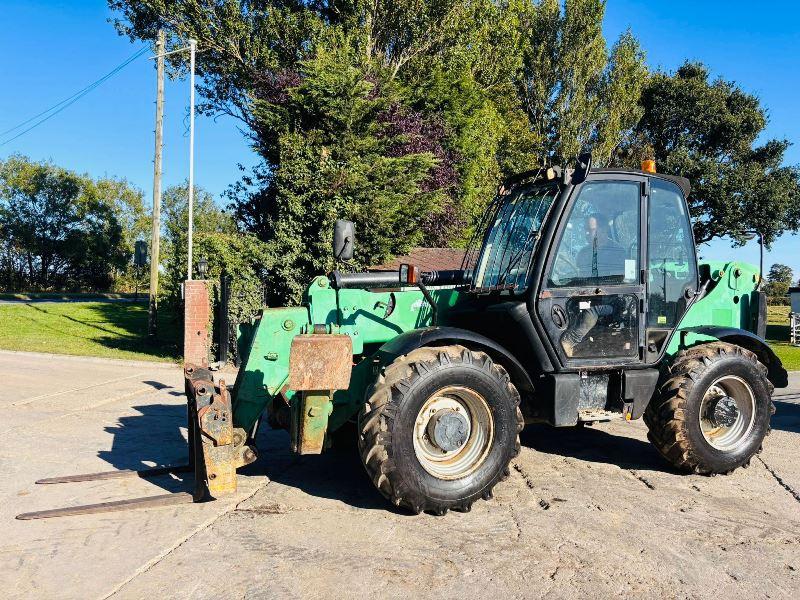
x=51, y=49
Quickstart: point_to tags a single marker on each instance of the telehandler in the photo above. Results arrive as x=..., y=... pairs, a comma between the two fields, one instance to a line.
x=580, y=300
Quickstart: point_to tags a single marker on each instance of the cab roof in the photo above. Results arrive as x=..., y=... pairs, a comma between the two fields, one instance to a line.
x=681, y=182
x=536, y=175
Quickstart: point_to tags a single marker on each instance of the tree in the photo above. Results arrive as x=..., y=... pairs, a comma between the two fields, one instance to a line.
x=779, y=279
x=215, y=237
x=577, y=95
x=402, y=115
x=347, y=152
x=134, y=218
x=241, y=256
x=208, y=218
x=62, y=230
x=399, y=115
x=707, y=131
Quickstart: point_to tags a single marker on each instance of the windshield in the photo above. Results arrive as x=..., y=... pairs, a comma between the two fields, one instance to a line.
x=509, y=243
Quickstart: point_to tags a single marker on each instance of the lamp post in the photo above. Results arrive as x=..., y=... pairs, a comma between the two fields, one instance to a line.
x=192, y=48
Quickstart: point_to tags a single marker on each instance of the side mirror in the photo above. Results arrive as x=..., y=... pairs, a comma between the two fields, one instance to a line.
x=344, y=235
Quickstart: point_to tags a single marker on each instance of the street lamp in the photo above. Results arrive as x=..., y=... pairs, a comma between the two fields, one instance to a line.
x=202, y=267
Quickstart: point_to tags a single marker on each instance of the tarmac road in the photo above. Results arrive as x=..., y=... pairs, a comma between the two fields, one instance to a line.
x=586, y=512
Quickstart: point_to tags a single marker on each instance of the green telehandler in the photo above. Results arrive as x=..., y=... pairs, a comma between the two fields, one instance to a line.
x=580, y=299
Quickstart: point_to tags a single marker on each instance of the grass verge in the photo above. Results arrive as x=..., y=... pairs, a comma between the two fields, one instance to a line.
x=778, y=337
x=105, y=329
x=142, y=297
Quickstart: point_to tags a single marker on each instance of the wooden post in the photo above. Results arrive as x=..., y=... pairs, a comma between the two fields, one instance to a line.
x=152, y=314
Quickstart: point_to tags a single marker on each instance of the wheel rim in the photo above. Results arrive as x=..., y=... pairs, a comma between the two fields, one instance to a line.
x=727, y=413
x=453, y=432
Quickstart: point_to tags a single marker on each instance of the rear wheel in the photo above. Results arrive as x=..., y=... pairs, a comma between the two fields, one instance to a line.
x=713, y=411
x=440, y=429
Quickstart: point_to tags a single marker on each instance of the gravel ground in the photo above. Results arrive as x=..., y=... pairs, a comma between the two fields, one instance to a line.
x=588, y=512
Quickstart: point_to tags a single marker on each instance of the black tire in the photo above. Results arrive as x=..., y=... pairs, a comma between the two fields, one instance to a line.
x=387, y=428
x=673, y=416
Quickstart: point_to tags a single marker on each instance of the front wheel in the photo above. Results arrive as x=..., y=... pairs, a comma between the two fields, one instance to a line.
x=713, y=411
x=440, y=428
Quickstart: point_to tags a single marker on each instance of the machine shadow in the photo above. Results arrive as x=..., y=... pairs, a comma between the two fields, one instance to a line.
x=593, y=444
x=336, y=474
x=787, y=414
x=154, y=437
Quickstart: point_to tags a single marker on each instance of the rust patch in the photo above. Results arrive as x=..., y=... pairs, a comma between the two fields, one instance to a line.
x=215, y=422
x=320, y=362
x=211, y=439
x=312, y=410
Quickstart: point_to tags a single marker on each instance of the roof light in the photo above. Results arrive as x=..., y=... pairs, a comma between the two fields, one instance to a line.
x=649, y=165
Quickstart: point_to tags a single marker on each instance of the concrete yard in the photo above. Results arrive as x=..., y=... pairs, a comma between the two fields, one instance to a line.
x=588, y=512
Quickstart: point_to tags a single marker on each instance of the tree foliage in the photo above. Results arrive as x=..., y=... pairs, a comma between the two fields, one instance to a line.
x=577, y=94
x=61, y=230
x=401, y=115
x=215, y=237
x=779, y=279
x=708, y=131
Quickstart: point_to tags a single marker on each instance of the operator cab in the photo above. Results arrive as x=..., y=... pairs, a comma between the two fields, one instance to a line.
x=604, y=261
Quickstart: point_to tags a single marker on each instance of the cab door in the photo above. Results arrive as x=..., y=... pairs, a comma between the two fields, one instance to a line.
x=593, y=292
x=672, y=277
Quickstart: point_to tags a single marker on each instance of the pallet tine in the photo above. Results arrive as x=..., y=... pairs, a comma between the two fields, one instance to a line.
x=197, y=380
x=121, y=474
x=115, y=506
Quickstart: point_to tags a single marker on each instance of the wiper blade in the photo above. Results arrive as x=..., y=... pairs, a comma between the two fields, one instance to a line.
x=530, y=242
x=515, y=260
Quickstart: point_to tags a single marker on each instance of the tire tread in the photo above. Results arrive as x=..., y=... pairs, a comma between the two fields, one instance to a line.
x=385, y=397
x=666, y=414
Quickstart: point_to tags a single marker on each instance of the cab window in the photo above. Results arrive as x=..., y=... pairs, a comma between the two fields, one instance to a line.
x=670, y=255
x=600, y=242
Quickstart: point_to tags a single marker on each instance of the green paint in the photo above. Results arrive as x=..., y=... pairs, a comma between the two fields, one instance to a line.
x=727, y=304
x=310, y=412
x=266, y=363
x=361, y=314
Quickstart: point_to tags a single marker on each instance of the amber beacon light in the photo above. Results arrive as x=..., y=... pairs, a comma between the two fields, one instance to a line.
x=649, y=166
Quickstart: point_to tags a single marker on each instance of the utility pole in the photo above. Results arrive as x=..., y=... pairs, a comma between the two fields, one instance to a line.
x=152, y=314
x=192, y=48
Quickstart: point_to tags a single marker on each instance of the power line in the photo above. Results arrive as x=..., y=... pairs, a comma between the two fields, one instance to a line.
x=80, y=93
x=57, y=108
